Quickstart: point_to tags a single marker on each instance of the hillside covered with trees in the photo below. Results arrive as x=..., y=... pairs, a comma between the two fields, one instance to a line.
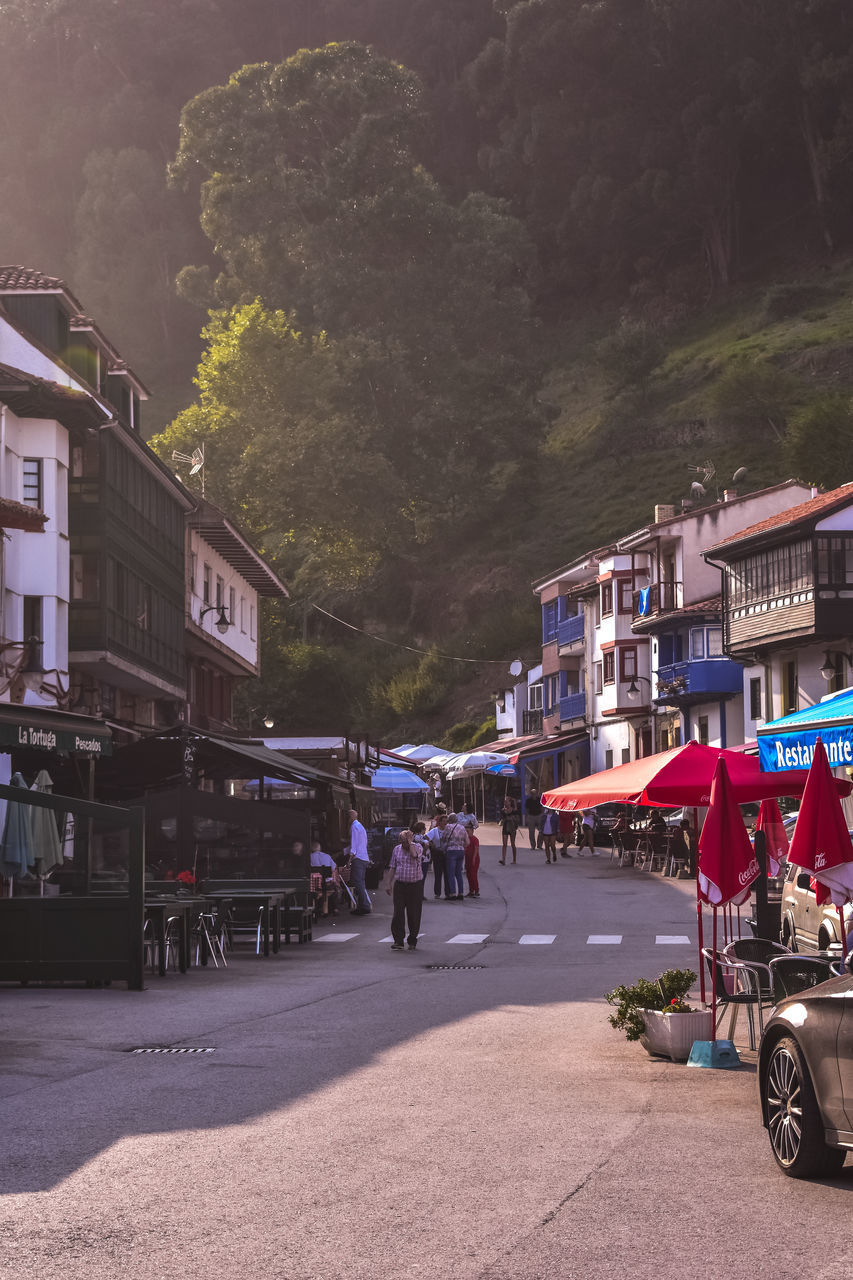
x=465, y=286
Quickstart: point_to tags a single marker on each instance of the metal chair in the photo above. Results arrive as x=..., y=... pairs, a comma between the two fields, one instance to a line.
x=792, y=974
x=242, y=920
x=760, y=952
x=746, y=994
x=210, y=932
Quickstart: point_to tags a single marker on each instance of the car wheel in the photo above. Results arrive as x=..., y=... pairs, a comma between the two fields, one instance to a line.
x=793, y=1116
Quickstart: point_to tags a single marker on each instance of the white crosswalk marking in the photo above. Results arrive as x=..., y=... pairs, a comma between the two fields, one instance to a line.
x=335, y=937
x=672, y=939
x=468, y=938
x=536, y=939
x=390, y=937
x=604, y=939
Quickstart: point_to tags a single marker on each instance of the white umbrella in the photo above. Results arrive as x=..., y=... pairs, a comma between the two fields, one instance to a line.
x=46, y=846
x=473, y=762
x=439, y=761
x=424, y=753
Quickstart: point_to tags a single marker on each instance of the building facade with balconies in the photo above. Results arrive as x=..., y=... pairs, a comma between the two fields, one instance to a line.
x=787, y=604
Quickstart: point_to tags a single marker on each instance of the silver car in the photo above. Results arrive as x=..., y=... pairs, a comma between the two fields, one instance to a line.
x=807, y=927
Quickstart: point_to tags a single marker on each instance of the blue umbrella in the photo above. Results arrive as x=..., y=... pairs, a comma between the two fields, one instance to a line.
x=391, y=779
x=503, y=770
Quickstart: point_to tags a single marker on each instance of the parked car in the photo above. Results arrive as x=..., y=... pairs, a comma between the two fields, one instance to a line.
x=805, y=1079
x=805, y=926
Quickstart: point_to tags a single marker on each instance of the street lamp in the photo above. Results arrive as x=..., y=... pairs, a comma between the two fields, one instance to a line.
x=828, y=670
x=633, y=691
x=222, y=624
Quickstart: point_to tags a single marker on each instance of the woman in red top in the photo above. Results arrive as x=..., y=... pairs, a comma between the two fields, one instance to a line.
x=472, y=863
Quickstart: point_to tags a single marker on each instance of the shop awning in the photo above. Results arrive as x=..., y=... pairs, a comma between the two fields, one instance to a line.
x=542, y=747
x=788, y=743
x=49, y=729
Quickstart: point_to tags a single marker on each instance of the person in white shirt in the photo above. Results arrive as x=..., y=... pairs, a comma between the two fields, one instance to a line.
x=360, y=860
x=468, y=817
x=326, y=865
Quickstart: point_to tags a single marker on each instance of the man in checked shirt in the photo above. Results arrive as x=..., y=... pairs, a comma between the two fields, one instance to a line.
x=407, y=885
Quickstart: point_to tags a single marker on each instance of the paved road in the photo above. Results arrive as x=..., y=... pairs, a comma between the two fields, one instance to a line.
x=366, y=1115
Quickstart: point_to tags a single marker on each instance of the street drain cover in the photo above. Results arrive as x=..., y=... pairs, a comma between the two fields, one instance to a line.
x=167, y=1050
x=467, y=967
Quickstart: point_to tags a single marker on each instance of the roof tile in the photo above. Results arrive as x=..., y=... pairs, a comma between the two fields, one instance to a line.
x=794, y=515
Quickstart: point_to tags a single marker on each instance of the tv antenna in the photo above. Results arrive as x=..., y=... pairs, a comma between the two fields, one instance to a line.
x=196, y=461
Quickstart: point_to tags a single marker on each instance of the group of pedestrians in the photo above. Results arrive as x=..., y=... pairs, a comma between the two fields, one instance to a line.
x=448, y=846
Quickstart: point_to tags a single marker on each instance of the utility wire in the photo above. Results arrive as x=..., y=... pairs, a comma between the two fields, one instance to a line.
x=411, y=648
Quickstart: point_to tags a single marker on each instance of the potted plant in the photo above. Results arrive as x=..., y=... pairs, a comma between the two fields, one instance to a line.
x=657, y=1014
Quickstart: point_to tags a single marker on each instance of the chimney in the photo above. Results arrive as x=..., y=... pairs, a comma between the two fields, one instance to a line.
x=664, y=511
x=686, y=504
x=728, y=494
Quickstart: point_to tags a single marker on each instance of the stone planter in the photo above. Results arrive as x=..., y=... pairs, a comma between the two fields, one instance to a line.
x=671, y=1035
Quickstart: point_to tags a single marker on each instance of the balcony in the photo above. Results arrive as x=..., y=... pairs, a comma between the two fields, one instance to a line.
x=531, y=721
x=573, y=707
x=570, y=631
x=687, y=682
x=660, y=597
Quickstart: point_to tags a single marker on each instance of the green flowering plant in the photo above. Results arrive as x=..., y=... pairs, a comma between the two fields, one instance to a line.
x=665, y=994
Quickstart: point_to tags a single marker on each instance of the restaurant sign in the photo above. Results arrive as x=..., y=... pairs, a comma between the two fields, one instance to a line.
x=795, y=750
x=52, y=738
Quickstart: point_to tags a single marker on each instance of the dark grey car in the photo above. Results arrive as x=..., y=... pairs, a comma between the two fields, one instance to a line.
x=805, y=1079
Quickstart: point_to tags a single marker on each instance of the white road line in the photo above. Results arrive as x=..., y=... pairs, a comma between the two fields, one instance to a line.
x=672, y=939
x=604, y=939
x=536, y=939
x=335, y=937
x=468, y=938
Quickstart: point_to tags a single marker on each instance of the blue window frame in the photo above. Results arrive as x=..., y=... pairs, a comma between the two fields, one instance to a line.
x=549, y=621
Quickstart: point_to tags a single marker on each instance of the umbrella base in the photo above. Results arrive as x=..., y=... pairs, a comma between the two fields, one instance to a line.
x=713, y=1053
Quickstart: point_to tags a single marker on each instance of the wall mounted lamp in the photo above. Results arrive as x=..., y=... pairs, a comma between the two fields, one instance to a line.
x=633, y=691
x=829, y=670
x=222, y=623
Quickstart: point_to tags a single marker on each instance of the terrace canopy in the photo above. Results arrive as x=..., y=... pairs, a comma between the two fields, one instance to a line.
x=789, y=742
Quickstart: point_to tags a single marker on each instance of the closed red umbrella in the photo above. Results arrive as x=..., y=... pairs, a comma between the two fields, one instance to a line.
x=775, y=835
x=821, y=842
x=727, y=863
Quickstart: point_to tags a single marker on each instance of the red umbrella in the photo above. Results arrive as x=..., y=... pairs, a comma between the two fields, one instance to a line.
x=727, y=863
x=775, y=835
x=682, y=776
x=821, y=842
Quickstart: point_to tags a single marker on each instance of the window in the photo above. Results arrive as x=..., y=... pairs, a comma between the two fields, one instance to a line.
x=626, y=595
x=609, y=660
x=84, y=461
x=598, y=678
x=606, y=598
x=755, y=711
x=232, y=601
x=626, y=755
x=252, y=635
x=697, y=643
x=220, y=592
x=205, y=590
x=773, y=573
x=193, y=570
x=627, y=663
x=608, y=758
x=549, y=621
x=790, y=692
x=534, y=697
x=33, y=633
x=32, y=492
x=84, y=577
x=834, y=560
x=243, y=617
x=715, y=642
x=702, y=730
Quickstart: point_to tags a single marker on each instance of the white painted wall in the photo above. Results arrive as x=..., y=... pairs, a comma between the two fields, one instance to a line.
x=242, y=636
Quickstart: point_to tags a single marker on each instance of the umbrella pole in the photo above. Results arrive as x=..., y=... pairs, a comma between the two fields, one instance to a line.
x=701, y=942
x=843, y=932
x=714, y=980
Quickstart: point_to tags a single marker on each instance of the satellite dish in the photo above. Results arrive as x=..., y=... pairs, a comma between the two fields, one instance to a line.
x=697, y=489
x=516, y=667
x=739, y=474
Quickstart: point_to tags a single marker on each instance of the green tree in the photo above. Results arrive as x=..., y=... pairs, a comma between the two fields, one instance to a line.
x=819, y=442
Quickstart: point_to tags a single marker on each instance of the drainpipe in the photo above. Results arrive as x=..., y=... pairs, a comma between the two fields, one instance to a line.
x=722, y=722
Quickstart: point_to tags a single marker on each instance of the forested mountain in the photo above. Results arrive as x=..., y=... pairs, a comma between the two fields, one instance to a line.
x=476, y=281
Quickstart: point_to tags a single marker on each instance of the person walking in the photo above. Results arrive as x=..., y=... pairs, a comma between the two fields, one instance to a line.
x=406, y=884
x=437, y=841
x=533, y=819
x=550, y=827
x=509, y=827
x=472, y=861
x=419, y=834
x=588, y=834
x=360, y=861
x=454, y=852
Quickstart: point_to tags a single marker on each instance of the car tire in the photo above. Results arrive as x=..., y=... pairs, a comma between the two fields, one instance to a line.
x=793, y=1116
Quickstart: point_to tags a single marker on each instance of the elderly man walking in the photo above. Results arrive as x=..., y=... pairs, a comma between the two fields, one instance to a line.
x=406, y=883
x=359, y=864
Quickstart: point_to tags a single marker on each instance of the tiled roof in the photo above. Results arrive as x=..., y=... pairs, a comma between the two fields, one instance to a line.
x=27, y=278
x=713, y=605
x=18, y=515
x=804, y=511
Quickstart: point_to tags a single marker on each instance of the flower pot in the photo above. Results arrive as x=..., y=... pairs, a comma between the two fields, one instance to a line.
x=671, y=1035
